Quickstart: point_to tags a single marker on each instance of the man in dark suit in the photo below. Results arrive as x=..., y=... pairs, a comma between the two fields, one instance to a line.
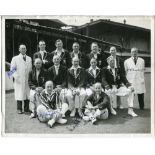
x=64, y=55
x=43, y=55
x=116, y=84
x=77, y=53
x=37, y=79
x=76, y=93
x=119, y=63
x=57, y=73
x=100, y=57
x=97, y=105
x=93, y=75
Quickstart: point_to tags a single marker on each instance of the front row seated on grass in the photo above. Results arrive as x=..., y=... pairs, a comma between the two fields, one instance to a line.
x=51, y=109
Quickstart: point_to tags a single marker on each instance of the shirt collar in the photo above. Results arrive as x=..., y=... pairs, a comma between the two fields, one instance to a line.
x=98, y=94
x=75, y=68
x=133, y=57
x=108, y=67
x=95, y=53
x=22, y=55
x=43, y=51
x=48, y=93
x=60, y=51
x=90, y=68
x=57, y=66
x=114, y=57
x=77, y=52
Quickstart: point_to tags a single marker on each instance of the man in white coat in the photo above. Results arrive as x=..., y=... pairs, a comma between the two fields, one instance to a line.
x=21, y=65
x=134, y=67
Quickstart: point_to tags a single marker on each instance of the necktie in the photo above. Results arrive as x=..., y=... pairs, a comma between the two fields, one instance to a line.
x=24, y=58
x=135, y=60
x=94, y=72
x=57, y=70
x=42, y=55
x=113, y=73
x=37, y=75
x=75, y=72
x=95, y=56
x=97, y=96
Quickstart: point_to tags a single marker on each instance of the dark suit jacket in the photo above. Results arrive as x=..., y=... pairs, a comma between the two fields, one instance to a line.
x=59, y=79
x=90, y=79
x=65, y=58
x=108, y=78
x=102, y=102
x=101, y=59
x=82, y=57
x=120, y=64
x=79, y=80
x=47, y=56
x=42, y=78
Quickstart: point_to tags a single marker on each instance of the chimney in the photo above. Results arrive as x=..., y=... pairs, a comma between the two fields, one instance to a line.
x=91, y=20
x=124, y=21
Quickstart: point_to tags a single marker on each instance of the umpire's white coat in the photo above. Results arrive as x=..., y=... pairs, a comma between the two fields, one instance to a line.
x=135, y=74
x=21, y=75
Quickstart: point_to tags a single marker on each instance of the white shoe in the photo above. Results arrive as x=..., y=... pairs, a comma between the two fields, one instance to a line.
x=120, y=107
x=32, y=116
x=80, y=113
x=93, y=120
x=51, y=123
x=63, y=116
x=113, y=112
x=86, y=118
x=132, y=113
x=62, y=121
x=72, y=114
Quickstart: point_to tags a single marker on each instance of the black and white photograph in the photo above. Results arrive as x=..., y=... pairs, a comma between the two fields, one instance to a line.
x=77, y=75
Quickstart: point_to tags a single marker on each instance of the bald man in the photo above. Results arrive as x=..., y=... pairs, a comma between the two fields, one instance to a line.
x=57, y=73
x=76, y=95
x=48, y=111
x=37, y=79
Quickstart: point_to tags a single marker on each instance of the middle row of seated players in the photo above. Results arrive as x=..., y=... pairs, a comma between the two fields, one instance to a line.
x=75, y=85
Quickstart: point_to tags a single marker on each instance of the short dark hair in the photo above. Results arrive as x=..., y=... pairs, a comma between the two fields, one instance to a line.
x=93, y=43
x=76, y=43
x=42, y=41
x=58, y=40
x=21, y=44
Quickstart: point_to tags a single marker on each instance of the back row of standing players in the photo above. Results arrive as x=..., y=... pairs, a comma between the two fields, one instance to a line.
x=66, y=57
